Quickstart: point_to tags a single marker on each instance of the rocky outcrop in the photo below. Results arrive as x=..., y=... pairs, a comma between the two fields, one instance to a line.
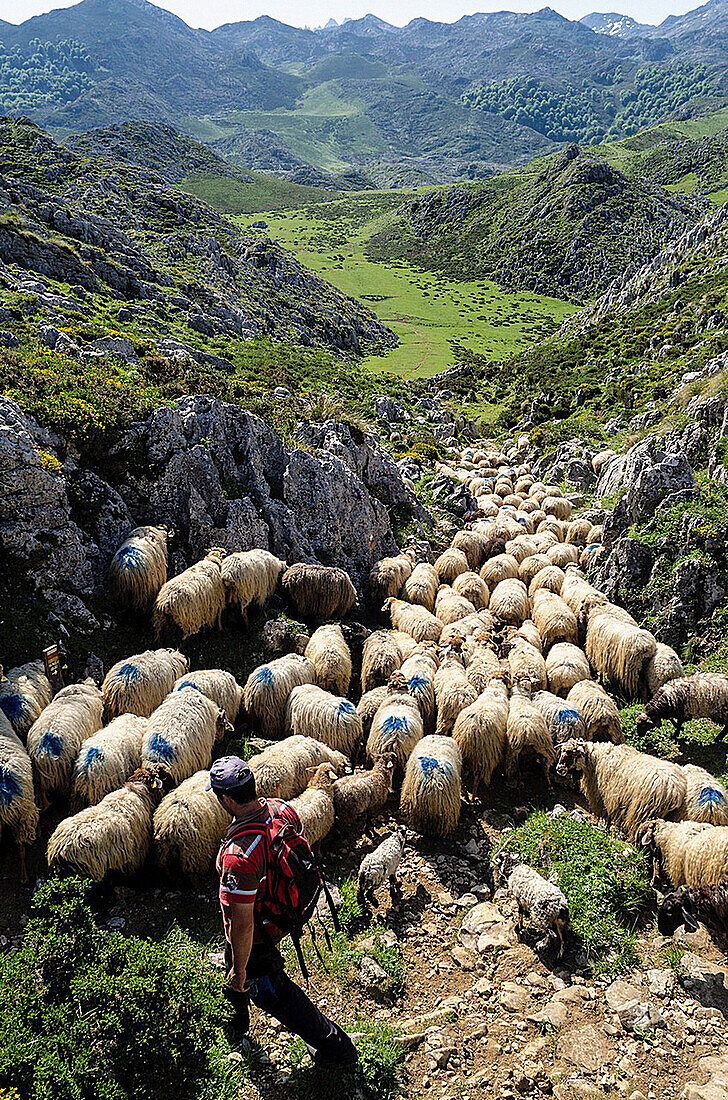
x=213, y=472
x=648, y=475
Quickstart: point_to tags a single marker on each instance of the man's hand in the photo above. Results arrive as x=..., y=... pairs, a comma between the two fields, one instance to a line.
x=236, y=980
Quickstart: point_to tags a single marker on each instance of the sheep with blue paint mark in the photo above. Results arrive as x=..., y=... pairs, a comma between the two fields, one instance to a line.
x=331, y=658
x=397, y=726
x=250, y=578
x=188, y=825
x=218, y=685
x=192, y=601
x=599, y=711
x=115, y=836
x=419, y=672
x=18, y=811
x=431, y=790
x=563, y=718
x=107, y=759
x=313, y=712
x=480, y=732
x=138, y=684
x=55, y=739
x=453, y=692
x=181, y=733
x=24, y=692
x=267, y=690
x=706, y=799
x=138, y=569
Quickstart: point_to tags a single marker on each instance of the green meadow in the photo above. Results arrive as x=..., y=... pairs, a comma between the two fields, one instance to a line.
x=437, y=319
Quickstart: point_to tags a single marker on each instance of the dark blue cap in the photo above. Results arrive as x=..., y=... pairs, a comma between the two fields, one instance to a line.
x=229, y=772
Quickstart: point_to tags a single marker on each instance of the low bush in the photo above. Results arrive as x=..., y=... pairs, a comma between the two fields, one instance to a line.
x=87, y=1014
x=606, y=882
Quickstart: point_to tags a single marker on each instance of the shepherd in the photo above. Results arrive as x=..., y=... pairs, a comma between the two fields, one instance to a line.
x=269, y=887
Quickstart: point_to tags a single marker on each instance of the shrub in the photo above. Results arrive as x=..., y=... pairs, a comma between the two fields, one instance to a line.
x=605, y=881
x=87, y=1014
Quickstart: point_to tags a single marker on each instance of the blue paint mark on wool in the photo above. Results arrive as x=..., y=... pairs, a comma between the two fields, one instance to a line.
x=51, y=744
x=430, y=765
x=92, y=756
x=593, y=546
x=9, y=787
x=345, y=707
x=188, y=684
x=130, y=557
x=567, y=717
x=709, y=796
x=417, y=683
x=264, y=675
x=160, y=749
x=128, y=672
x=395, y=724
x=13, y=707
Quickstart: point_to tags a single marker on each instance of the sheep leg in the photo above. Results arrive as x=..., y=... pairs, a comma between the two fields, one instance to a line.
x=395, y=890
x=22, y=864
x=546, y=773
x=559, y=924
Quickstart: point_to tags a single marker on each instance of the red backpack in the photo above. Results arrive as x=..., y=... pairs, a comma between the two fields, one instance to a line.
x=294, y=883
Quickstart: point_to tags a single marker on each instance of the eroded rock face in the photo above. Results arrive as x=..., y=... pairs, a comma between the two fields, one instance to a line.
x=38, y=535
x=213, y=472
x=648, y=475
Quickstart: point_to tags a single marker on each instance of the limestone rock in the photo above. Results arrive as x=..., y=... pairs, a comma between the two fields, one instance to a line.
x=485, y=927
x=585, y=1047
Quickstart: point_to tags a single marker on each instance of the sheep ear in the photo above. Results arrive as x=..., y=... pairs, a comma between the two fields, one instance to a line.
x=157, y=784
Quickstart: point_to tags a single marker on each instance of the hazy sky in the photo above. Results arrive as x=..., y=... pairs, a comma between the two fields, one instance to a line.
x=211, y=13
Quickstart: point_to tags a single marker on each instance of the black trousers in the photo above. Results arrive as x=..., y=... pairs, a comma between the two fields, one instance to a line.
x=270, y=989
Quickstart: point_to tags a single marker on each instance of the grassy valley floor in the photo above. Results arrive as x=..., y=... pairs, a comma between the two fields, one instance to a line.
x=436, y=318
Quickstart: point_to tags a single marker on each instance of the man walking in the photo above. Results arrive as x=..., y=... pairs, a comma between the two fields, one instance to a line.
x=246, y=866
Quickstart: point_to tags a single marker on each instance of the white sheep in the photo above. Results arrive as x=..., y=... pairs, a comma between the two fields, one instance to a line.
x=563, y=719
x=55, y=739
x=688, y=852
x=419, y=672
x=471, y=544
x=537, y=898
x=18, y=811
x=217, y=684
x=450, y=607
x=421, y=586
x=502, y=567
x=550, y=578
x=369, y=704
x=138, y=569
x=566, y=666
x=107, y=759
x=527, y=731
x=473, y=588
x=526, y=663
x=617, y=649
x=599, y=711
x=431, y=789
x=315, y=805
x=389, y=575
x=331, y=658
x=380, y=865
x=114, y=836
x=311, y=711
x=397, y=726
x=706, y=798
x=267, y=689
x=480, y=733
x=414, y=619
x=554, y=619
x=138, y=684
x=182, y=731
x=509, y=602
x=282, y=770
x=364, y=793
x=192, y=601
x=381, y=656
x=449, y=564
x=625, y=787
x=664, y=666
x=563, y=555
x=24, y=692
x=250, y=577
x=453, y=692
x=188, y=826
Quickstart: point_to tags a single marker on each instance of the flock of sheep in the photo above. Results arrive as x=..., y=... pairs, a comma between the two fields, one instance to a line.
x=492, y=664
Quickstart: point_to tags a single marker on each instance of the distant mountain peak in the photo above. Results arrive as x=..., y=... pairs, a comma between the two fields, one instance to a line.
x=614, y=25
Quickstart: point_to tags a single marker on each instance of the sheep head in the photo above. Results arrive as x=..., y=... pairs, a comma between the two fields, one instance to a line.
x=505, y=863
x=572, y=756
x=676, y=908
x=643, y=723
x=157, y=779
x=397, y=683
